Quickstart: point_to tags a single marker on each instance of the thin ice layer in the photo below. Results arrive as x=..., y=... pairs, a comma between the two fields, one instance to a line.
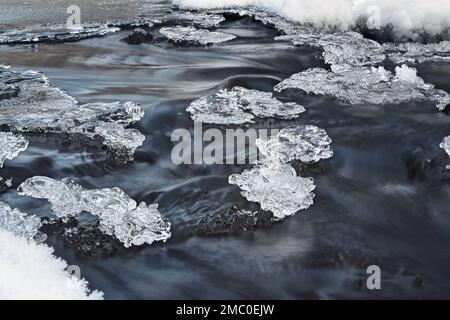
x=445, y=144
x=366, y=85
x=308, y=144
x=192, y=35
x=277, y=188
x=417, y=52
x=197, y=19
x=118, y=214
x=31, y=271
x=10, y=146
x=28, y=103
x=18, y=223
x=240, y=105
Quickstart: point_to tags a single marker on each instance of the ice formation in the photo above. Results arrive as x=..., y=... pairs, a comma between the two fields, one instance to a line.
x=10, y=146
x=308, y=144
x=366, y=85
x=198, y=19
x=446, y=145
x=31, y=271
x=28, y=103
x=273, y=182
x=277, y=188
x=240, y=105
x=18, y=222
x=55, y=33
x=118, y=214
x=416, y=52
x=192, y=35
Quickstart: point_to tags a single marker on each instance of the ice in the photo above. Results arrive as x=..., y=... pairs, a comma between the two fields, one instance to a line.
x=33, y=105
x=308, y=144
x=370, y=85
x=198, y=19
x=417, y=53
x=446, y=145
x=31, y=271
x=192, y=35
x=18, y=222
x=10, y=146
x=240, y=105
x=118, y=214
x=55, y=33
x=277, y=188
x=341, y=48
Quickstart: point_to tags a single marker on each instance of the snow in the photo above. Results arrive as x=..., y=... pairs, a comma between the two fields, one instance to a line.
x=30, y=271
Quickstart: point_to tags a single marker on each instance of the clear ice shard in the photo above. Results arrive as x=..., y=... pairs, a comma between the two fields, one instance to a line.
x=240, y=105
x=308, y=144
x=55, y=33
x=277, y=188
x=351, y=85
x=10, y=146
x=118, y=214
x=273, y=182
x=192, y=35
x=197, y=19
x=28, y=103
x=18, y=222
x=410, y=52
x=445, y=144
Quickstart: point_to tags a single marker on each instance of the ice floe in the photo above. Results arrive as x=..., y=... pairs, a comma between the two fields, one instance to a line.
x=10, y=146
x=240, y=105
x=28, y=103
x=191, y=35
x=370, y=85
x=118, y=214
x=31, y=271
x=18, y=222
x=273, y=182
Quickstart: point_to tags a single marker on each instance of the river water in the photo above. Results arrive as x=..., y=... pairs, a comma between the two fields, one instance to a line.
x=382, y=199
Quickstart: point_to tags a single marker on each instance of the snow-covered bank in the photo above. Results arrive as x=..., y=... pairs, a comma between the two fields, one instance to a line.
x=31, y=271
x=406, y=17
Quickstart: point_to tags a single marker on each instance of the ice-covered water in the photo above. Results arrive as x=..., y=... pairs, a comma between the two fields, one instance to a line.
x=382, y=197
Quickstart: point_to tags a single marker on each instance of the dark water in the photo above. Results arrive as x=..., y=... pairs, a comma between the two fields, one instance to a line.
x=382, y=199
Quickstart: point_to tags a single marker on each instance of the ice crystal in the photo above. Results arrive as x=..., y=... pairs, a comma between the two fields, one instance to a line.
x=18, y=222
x=240, y=105
x=118, y=214
x=192, y=35
x=10, y=146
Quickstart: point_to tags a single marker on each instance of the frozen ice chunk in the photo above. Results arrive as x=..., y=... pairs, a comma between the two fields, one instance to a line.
x=191, y=35
x=240, y=105
x=118, y=214
x=10, y=146
x=31, y=271
x=18, y=222
x=198, y=19
x=410, y=52
x=33, y=105
x=366, y=85
x=277, y=188
x=308, y=144
x=341, y=48
x=55, y=33
x=446, y=145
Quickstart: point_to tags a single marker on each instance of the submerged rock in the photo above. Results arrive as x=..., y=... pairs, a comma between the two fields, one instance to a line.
x=240, y=105
x=119, y=215
x=36, y=106
x=192, y=36
x=10, y=146
x=370, y=85
x=232, y=220
x=139, y=36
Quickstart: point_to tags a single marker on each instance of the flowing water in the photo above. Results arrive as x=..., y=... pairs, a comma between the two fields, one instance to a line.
x=382, y=199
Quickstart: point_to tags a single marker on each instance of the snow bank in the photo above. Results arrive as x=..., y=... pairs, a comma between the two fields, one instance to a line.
x=405, y=16
x=31, y=271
